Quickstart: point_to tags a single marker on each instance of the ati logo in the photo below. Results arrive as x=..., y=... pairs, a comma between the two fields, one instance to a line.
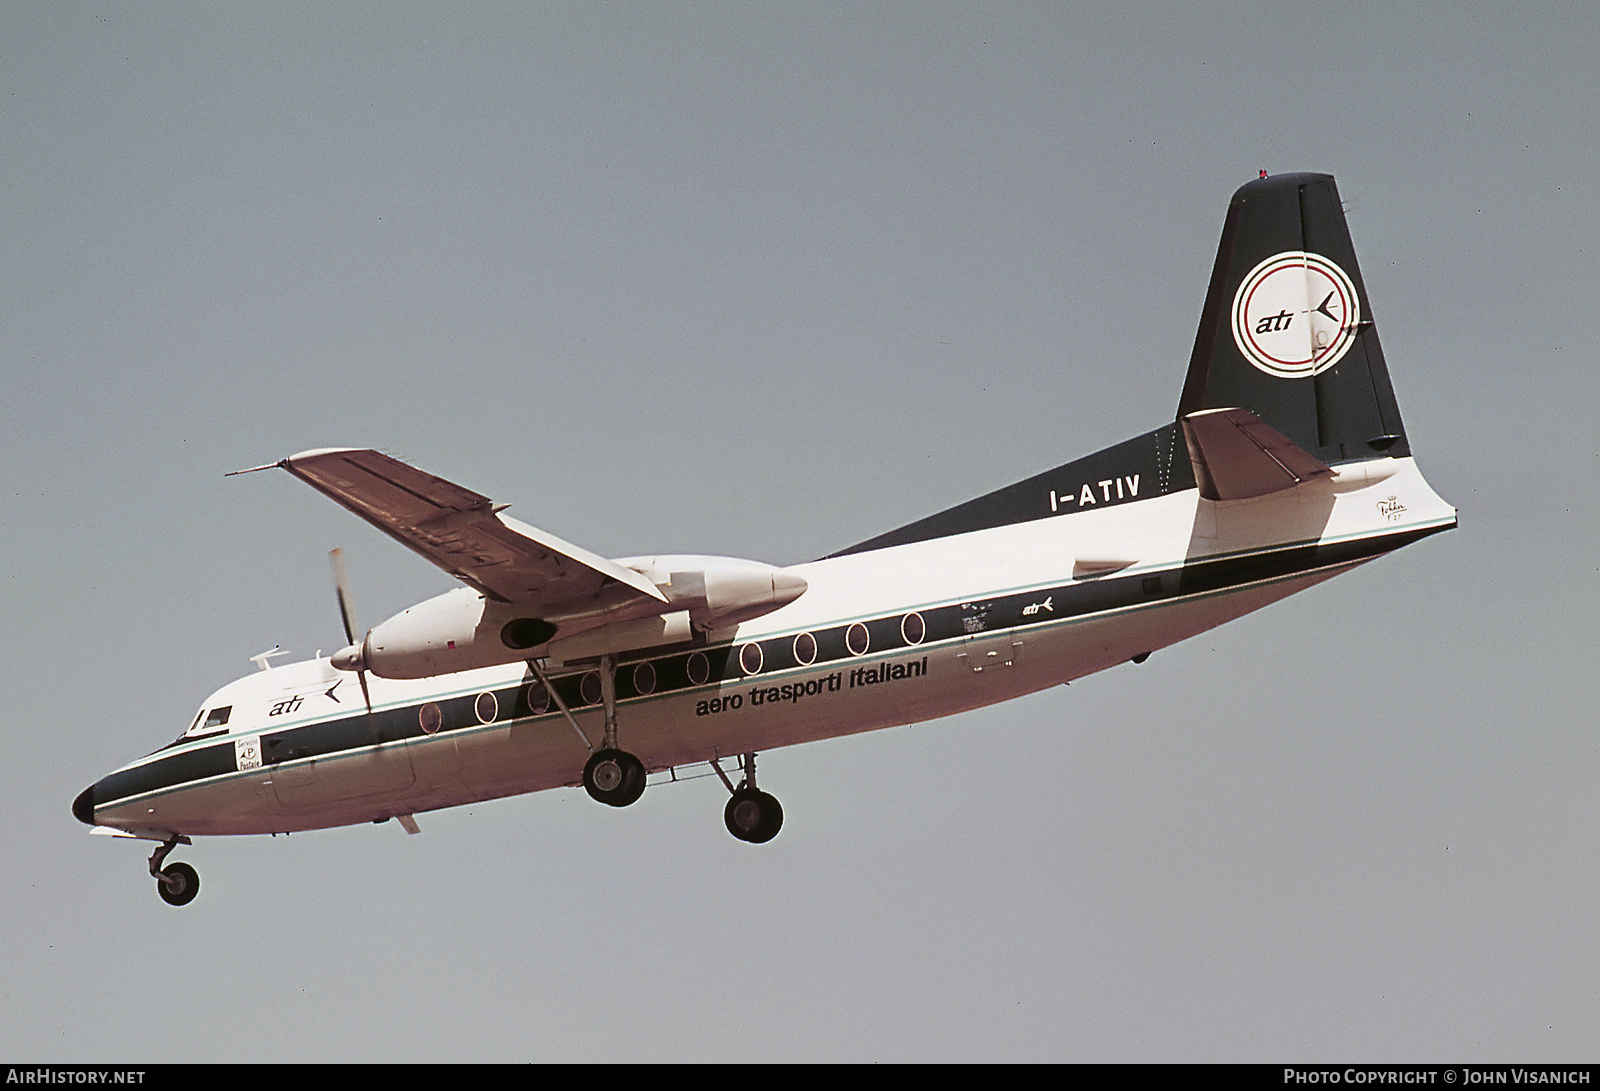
x=1295, y=315
x=283, y=707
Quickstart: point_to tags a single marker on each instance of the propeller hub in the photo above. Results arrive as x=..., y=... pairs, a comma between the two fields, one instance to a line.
x=352, y=658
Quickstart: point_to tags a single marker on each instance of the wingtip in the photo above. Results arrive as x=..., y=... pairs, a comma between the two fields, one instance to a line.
x=253, y=469
x=303, y=456
x=318, y=452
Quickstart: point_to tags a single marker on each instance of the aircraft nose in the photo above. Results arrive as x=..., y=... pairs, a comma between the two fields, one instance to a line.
x=83, y=806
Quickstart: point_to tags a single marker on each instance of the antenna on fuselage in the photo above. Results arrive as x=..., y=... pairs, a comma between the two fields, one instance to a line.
x=261, y=660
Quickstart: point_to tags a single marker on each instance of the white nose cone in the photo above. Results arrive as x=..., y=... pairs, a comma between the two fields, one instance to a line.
x=348, y=659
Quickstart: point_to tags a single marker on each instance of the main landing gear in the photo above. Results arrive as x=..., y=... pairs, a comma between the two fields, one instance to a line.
x=751, y=815
x=179, y=883
x=611, y=776
x=616, y=778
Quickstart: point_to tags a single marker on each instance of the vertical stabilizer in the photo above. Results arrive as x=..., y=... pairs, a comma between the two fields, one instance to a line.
x=1287, y=331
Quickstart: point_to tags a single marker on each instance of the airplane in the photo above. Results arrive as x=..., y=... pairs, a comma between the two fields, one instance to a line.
x=1286, y=464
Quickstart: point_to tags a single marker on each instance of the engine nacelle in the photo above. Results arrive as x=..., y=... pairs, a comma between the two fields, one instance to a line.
x=719, y=591
x=450, y=632
x=462, y=630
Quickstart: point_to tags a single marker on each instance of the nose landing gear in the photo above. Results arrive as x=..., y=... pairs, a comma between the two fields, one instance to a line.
x=179, y=883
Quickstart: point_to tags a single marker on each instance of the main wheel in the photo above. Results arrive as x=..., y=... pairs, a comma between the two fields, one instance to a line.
x=753, y=816
x=178, y=884
x=614, y=777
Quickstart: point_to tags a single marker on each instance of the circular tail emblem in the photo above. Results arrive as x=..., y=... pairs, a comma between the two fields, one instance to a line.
x=1295, y=315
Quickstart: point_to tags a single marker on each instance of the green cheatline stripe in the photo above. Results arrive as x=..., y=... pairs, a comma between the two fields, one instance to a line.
x=945, y=624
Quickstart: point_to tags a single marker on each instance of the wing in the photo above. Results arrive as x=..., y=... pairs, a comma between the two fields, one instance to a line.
x=464, y=534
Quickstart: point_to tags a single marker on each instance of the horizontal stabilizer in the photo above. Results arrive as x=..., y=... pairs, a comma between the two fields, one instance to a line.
x=1236, y=456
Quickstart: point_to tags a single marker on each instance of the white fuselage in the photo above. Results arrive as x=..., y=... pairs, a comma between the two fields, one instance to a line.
x=999, y=612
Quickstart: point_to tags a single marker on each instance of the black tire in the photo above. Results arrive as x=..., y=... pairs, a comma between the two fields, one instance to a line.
x=753, y=816
x=614, y=777
x=178, y=884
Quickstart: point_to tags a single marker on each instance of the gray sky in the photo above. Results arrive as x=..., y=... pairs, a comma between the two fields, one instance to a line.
x=764, y=280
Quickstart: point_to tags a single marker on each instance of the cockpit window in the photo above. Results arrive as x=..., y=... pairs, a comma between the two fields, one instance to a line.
x=207, y=722
x=204, y=723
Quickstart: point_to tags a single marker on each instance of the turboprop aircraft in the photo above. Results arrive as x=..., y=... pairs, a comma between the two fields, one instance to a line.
x=550, y=666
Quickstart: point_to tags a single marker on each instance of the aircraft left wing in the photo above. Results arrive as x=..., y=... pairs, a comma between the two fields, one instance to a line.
x=464, y=533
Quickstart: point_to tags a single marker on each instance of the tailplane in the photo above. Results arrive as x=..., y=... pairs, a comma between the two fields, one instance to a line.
x=1287, y=331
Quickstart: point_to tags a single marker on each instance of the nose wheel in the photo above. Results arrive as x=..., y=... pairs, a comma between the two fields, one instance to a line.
x=179, y=883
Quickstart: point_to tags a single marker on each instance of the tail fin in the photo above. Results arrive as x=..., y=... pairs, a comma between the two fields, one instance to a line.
x=1287, y=330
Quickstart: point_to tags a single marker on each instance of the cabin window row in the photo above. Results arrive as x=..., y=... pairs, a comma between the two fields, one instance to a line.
x=700, y=667
x=727, y=663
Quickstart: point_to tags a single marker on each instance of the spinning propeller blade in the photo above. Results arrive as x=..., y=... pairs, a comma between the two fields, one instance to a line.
x=341, y=586
x=347, y=613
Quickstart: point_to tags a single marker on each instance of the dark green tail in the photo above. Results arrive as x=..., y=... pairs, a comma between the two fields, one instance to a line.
x=1287, y=330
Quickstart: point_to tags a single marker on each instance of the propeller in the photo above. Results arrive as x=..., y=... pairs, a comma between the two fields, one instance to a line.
x=354, y=656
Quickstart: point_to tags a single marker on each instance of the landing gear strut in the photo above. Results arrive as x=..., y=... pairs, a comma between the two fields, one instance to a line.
x=751, y=815
x=611, y=776
x=179, y=883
